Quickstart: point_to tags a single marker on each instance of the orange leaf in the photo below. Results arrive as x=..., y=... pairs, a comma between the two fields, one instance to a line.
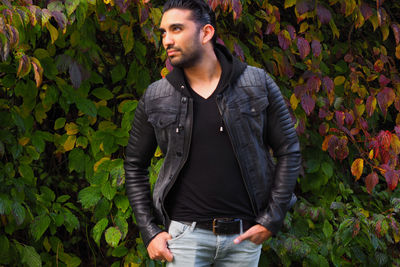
x=395, y=144
x=357, y=168
x=371, y=181
x=325, y=144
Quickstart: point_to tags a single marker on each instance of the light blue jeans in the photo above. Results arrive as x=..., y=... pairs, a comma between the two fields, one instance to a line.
x=192, y=246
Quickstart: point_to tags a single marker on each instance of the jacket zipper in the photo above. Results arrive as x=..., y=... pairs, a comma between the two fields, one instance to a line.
x=236, y=155
x=173, y=179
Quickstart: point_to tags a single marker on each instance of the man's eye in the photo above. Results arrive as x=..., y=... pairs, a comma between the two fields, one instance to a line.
x=176, y=29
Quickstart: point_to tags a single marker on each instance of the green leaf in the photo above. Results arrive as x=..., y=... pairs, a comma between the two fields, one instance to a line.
x=126, y=34
x=327, y=229
x=129, y=106
x=86, y=106
x=71, y=5
x=5, y=204
x=121, y=202
x=119, y=251
x=312, y=166
x=108, y=191
x=4, y=250
x=18, y=212
x=63, y=198
x=27, y=173
x=102, y=209
x=31, y=257
x=102, y=93
x=118, y=73
x=71, y=222
x=76, y=159
x=89, y=196
x=47, y=194
x=98, y=230
x=113, y=236
x=327, y=169
x=60, y=122
x=39, y=226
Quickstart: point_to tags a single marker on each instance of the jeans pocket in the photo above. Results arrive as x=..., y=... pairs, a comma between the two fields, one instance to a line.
x=177, y=230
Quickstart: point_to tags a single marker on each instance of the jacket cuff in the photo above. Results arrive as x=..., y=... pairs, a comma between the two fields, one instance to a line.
x=149, y=232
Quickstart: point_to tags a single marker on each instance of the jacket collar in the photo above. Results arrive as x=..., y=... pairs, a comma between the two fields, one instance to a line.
x=232, y=68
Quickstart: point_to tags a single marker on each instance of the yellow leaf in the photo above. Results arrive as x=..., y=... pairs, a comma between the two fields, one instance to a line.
x=158, y=152
x=357, y=168
x=371, y=154
x=23, y=140
x=38, y=71
x=339, y=80
x=70, y=143
x=294, y=101
x=385, y=32
x=374, y=21
x=396, y=237
x=398, y=119
x=289, y=3
x=325, y=144
x=398, y=51
x=53, y=32
x=303, y=27
x=71, y=128
x=364, y=212
x=395, y=144
x=360, y=109
x=97, y=164
x=107, y=125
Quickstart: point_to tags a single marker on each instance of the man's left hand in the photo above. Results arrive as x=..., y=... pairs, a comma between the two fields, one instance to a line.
x=256, y=234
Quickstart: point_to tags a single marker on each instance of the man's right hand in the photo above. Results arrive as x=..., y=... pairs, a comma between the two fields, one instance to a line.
x=158, y=249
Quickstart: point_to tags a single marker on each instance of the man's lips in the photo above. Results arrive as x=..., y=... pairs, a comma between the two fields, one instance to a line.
x=172, y=52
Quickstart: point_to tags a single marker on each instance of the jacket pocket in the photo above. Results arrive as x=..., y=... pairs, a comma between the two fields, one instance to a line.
x=253, y=107
x=162, y=119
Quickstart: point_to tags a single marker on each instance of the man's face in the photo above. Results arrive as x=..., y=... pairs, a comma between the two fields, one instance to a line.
x=181, y=38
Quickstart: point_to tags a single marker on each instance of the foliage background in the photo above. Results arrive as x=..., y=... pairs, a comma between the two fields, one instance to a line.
x=71, y=73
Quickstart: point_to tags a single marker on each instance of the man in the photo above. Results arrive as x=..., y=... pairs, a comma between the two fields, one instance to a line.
x=215, y=119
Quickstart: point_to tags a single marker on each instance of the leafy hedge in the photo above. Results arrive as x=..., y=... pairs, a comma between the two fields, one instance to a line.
x=72, y=72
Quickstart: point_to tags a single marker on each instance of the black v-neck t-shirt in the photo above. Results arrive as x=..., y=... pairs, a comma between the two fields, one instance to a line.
x=210, y=184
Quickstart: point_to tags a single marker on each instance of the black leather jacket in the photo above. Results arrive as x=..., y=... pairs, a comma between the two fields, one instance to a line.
x=256, y=119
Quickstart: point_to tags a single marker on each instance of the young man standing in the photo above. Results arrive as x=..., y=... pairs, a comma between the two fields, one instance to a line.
x=215, y=119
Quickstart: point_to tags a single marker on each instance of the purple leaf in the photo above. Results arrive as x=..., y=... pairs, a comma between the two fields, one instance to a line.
x=348, y=118
x=316, y=48
x=324, y=15
x=339, y=115
x=383, y=80
x=304, y=6
x=60, y=18
x=283, y=38
x=292, y=31
x=270, y=28
x=299, y=90
x=75, y=74
x=385, y=99
x=313, y=84
x=239, y=51
x=303, y=46
x=308, y=103
x=237, y=8
x=396, y=32
x=366, y=11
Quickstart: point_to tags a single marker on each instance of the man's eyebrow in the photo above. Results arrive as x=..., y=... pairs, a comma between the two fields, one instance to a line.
x=171, y=26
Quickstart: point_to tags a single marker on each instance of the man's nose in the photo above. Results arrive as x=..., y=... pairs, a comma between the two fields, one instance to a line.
x=167, y=40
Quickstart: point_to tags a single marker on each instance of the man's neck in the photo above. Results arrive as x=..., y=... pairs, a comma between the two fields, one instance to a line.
x=204, y=76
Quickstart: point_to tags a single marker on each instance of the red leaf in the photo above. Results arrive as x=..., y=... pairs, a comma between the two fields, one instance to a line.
x=366, y=10
x=237, y=8
x=324, y=15
x=349, y=119
x=313, y=84
x=342, y=151
x=392, y=178
x=370, y=106
x=303, y=46
x=213, y=4
x=383, y=80
x=327, y=84
x=303, y=6
x=284, y=39
x=339, y=115
x=371, y=181
x=378, y=228
x=384, y=139
x=323, y=128
x=239, y=51
x=270, y=28
x=396, y=32
x=316, y=48
x=378, y=66
x=385, y=99
x=292, y=31
x=356, y=228
x=308, y=103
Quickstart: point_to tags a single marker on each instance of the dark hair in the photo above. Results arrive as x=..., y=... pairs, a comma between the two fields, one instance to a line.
x=202, y=13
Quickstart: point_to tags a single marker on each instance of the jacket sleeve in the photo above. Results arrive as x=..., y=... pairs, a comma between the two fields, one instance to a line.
x=282, y=138
x=139, y=151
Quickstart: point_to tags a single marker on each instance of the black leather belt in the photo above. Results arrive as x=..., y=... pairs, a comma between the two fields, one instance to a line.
x=225, y=226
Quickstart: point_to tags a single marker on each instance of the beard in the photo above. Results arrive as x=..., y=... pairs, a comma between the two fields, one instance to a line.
x=189, y=57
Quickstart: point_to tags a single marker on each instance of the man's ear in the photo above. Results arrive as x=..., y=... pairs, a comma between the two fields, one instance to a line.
x=208, y=33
